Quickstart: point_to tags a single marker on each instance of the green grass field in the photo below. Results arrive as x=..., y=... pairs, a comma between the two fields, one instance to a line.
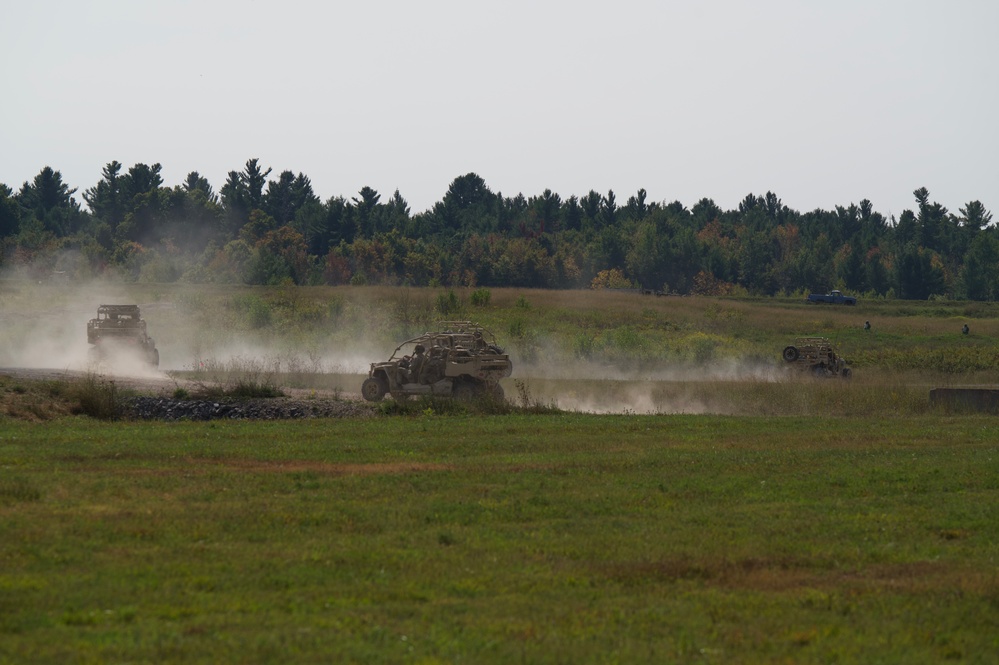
x=541, y=539
x=774, y=520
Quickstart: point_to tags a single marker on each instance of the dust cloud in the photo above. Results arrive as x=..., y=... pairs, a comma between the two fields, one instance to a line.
x=693, y=394
x=43, y=326
x=650, y=387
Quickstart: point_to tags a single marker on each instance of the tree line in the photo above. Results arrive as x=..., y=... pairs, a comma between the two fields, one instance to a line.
x=259, y=229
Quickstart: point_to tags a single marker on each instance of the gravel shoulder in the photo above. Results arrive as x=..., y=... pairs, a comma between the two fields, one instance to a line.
x=272, y=408
x=152, y=397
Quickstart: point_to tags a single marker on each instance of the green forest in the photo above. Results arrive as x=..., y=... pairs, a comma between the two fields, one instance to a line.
x=258, y=229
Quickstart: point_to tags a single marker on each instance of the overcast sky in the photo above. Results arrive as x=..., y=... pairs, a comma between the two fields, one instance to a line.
x=823, y=103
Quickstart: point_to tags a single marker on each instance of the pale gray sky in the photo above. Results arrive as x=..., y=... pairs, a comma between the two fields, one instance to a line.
x=823, y=103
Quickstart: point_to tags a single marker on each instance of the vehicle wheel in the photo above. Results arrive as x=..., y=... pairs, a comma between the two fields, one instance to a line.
x=463, y=391
x=154, y=358
x=790, y=353
x=847, y=373
x=496, y=392
x=373, y=389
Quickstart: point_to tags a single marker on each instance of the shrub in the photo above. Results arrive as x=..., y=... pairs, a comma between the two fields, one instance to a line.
x=256, y=310
x=517, y=329
x=583, y=345
x=247, y=388
x=481, y=297
x=259, y=314
x=335, y=308
x=530, y=404
x=612, y=279
x=429, y=406
x=98, y=397
x=237, y=377
x=449, y=305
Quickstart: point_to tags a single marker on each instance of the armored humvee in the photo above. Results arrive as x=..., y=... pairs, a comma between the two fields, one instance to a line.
x=119, y=330
x=460, y=359
x=816, y=355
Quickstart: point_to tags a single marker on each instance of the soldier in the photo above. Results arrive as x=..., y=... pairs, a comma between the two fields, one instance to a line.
x=416, y=364
x=965, y=329
x=867, y=325
x=434, y=371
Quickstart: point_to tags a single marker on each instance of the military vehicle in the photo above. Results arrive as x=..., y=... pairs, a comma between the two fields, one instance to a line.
x=118, y=330
x=460, y=359
x=816, y=355
x=834, y=297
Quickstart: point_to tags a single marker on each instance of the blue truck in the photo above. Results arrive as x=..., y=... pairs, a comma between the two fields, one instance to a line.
x=834, y=297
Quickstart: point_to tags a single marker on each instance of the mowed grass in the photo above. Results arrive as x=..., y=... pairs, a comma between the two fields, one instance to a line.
x=565, y=538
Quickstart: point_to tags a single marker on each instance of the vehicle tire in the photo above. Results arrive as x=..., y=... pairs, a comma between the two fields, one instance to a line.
x=790, y=353
x=463, y=391
x=154, y=358
x=496, y=393
x=373, y=389
x=846, y=373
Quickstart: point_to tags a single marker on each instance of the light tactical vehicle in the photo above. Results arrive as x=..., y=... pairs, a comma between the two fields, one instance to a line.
x=816, y=355
x=118, y=330
x=834, y=297
x=461, y=359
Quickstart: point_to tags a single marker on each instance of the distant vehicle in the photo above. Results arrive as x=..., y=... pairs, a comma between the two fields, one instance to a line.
x=460, y=360
x=835, y=297
x=118, y=330
x=815, y=355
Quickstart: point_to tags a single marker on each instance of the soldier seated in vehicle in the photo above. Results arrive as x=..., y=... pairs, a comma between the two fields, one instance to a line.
x=434, y=370
x=416, y=364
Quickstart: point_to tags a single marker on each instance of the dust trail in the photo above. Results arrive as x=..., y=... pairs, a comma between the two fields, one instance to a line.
x=43, y=326
x=656, y=386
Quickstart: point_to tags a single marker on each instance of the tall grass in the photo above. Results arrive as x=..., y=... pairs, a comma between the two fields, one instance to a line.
x=238, y=377
x=99, y=396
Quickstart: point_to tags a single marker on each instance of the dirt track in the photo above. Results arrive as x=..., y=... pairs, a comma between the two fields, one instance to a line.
x=154, y=383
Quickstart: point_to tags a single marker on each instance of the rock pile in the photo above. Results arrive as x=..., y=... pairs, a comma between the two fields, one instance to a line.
x=161, y=408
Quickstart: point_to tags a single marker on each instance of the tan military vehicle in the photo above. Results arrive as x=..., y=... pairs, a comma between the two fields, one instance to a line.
x=816, y=355
x=119, y=331
x=461, y=359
